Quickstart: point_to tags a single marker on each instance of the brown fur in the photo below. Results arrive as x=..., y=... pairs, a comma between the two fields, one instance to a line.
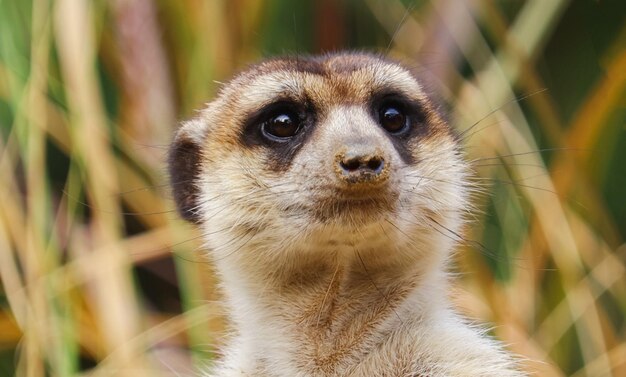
x=330, y=271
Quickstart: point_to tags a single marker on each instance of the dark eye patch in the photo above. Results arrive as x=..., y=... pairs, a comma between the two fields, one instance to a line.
x=280, y=128
x=391, y=110
x=281, y=125
x=393, y=118
x=403, y=118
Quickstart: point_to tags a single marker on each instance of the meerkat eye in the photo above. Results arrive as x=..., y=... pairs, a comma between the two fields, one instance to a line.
x=392, y=118
x=281, y=125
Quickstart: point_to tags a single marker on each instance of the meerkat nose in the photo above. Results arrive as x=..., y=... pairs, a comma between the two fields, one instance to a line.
x=360, y=165
x=371, y=163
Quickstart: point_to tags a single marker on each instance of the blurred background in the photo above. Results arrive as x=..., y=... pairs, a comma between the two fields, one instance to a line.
x=100, y=278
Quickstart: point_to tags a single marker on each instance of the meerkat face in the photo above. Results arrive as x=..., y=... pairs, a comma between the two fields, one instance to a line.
x=326, y=147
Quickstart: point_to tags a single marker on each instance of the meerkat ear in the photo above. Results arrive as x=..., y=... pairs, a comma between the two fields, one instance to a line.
x=184, y=165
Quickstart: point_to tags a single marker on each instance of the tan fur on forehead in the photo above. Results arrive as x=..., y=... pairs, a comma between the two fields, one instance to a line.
x=341, y=78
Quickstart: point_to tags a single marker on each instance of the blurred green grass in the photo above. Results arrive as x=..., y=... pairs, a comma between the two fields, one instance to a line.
x=99, y=277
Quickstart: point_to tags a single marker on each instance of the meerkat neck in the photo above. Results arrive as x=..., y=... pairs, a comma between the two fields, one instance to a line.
x=314, y=306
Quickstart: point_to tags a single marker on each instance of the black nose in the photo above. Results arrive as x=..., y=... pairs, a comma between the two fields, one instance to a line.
x=355, y=163
x=362, y=166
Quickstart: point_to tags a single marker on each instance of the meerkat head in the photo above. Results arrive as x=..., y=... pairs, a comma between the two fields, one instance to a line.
x=343, y=151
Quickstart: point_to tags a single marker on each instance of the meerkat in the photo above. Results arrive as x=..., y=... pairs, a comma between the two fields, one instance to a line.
x=331, y=191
